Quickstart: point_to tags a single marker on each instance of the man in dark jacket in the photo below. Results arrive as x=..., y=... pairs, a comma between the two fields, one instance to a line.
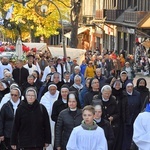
x=20, y=73
x=100, y=78
x=93, y=91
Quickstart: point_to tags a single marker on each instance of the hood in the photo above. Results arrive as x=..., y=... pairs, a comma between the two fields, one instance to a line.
x=138, y=81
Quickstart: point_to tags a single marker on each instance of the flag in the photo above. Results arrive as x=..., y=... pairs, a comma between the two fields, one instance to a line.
x=9, y=12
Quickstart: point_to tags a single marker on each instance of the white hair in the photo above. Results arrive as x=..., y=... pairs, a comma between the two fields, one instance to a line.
x=106, y=88
x=77, y=76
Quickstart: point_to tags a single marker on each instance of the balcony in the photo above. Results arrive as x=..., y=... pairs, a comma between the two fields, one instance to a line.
x=134, y=16
x=112, y=15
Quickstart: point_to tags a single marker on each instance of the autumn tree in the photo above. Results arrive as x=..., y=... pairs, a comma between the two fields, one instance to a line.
x=29, y=24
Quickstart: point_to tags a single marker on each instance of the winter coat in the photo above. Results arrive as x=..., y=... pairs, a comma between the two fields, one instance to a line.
x=83, y=68
x=105, y=125
x=20, y=76
x=110, y=108
x=143, y=90
x=81, y=75
x=134, y=104
x=82, y=94
x=31, y=126
x=122, y=103
x=58, y=106
x=65, y=124
x=89, y=97
x=102, y=81
x=38, y=84
x=6, y=119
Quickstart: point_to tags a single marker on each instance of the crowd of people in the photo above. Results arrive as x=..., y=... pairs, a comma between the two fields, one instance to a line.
x=59, y=104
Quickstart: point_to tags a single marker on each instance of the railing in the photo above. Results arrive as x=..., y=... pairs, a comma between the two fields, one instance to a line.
x=134, y=17
x=112, y=15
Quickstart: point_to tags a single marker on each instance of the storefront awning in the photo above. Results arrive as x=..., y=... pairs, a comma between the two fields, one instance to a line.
x=145, y=22
x=146, y=44
x=80, y=30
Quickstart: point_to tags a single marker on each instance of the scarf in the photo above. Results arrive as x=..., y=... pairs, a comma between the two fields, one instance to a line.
x=79, y=87
x=147, y=109
x=15, y=105
x=87, y=127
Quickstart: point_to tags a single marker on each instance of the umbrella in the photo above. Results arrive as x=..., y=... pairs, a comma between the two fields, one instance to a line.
x=19, y=51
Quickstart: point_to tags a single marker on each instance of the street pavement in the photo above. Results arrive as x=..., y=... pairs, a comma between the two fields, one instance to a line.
x=139, y=75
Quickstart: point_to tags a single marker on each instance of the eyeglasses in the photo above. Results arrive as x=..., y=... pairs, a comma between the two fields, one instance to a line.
x=31, y=95
x=15, y=95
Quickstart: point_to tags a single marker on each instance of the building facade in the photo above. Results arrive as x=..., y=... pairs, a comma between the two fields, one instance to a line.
x=115, y=24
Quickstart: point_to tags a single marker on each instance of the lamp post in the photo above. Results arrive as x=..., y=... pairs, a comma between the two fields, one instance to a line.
x=41, y=8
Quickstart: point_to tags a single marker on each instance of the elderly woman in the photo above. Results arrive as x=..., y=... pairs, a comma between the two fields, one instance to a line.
x=77, y=86
x=7, y=114
x=67, y=120
x=31, y=126
x=130, y=72
x=109, y=107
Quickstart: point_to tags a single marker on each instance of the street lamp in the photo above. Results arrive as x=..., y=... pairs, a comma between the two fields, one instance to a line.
x=41, y=7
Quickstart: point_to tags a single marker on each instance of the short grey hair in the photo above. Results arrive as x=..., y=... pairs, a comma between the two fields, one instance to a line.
x=76, y=76
x=106, y=88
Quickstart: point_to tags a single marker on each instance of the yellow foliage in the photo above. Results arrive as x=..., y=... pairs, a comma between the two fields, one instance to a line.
x=27, y=19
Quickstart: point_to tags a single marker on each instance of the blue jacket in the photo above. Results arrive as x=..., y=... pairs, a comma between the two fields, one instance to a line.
x=83, y=67
x=81, y=75
x=102, y=81
x=81, y=96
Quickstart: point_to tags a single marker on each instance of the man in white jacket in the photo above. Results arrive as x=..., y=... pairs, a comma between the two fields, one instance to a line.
x=141, y=134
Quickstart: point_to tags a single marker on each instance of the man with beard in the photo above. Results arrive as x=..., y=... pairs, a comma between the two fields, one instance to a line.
x=4, y=65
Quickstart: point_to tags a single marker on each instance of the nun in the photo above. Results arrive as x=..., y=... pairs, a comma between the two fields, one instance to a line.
x=48, y=100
